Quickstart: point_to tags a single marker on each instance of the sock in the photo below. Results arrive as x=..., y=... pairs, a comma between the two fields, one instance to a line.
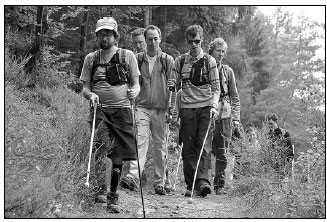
x=116, y=172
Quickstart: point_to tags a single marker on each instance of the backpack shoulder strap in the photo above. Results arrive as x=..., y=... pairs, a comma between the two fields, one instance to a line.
x=163, y=60
x=140, y=58
x=182, y=62
x=123, y=57
x=95, y=62
x=224, y=84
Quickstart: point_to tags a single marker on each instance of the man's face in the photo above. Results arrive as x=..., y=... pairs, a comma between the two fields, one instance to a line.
x=219, y=53
x=106, y=38
x=152, y=40
x=272, y=124
x=139, y=43
x=194, y=44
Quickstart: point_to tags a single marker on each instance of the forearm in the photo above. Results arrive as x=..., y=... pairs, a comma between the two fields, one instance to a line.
x=234, y=98
x=215, y=98
x=135, y=86
x=87, y=93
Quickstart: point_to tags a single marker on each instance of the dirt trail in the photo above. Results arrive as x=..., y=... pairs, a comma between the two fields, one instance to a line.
x=173, y=205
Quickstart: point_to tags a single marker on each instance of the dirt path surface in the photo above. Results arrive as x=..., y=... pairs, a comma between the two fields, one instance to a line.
x=173, y=205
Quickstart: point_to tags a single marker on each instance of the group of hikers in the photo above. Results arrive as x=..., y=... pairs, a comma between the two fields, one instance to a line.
x=131, y=96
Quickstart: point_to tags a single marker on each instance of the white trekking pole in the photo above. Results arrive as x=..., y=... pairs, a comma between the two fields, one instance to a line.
x=167, y=137
x=179, y=160
x=197, y=165
x=91, y=145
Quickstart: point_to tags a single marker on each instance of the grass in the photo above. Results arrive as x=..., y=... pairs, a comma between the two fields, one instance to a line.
x=269, y=196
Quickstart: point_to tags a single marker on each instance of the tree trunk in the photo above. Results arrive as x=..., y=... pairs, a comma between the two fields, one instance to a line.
x=164, y=23
x=40, y=29
x=146, y=16
x=82, y=45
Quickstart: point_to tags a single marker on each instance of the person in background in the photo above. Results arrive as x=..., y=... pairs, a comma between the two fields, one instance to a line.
x=110, y=84
x=138, y=40
x=197, y=71
x=280, y=142
x=228, y=117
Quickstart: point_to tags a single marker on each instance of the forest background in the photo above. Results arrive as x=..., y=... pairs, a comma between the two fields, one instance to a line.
x=273, y=58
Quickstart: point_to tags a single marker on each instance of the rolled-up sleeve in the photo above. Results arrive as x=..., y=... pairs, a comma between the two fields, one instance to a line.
x=234, y=97
x=176, y=72
x=213, y=76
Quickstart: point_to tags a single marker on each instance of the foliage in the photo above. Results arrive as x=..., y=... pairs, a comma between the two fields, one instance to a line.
x=44, y=129
x=301, y=195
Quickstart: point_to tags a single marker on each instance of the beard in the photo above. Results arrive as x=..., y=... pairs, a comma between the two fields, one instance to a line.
x=106, y=46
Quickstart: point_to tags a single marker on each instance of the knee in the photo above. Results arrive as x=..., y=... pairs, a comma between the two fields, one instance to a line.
x=116, y=170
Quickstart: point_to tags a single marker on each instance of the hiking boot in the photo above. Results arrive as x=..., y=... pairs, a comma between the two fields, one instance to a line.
x=188, y=193
x=169, y=188
x=100, y=196
x=204, y=190
x=128, y=183
x=160, y=190
x=220, y=190
x=112, y=202
x=101, y=199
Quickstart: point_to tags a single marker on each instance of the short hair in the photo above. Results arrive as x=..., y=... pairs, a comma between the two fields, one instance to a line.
x=153, y=27
x=138, y=31
x=272, y=116
x=217, y=42
x=193, y=30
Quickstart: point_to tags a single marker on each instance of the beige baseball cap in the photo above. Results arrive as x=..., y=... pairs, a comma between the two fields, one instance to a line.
x=106, y=23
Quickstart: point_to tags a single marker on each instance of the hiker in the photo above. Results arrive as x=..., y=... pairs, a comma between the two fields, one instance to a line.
x=280, y=142
x=197, y=71
x=151, y=111
x=110, y=79
x=138, y=40
x=229, y=115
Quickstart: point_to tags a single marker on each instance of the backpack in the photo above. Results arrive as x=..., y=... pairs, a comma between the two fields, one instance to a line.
x=116, y=66
x=200, y=70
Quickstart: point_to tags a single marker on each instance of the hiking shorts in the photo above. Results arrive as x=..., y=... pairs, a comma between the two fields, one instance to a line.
x=114, y=133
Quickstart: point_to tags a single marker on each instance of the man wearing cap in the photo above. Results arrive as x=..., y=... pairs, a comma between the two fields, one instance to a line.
x=111, y=83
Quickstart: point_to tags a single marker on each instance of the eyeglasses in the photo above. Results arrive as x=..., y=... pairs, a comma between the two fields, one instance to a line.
x=190, y=42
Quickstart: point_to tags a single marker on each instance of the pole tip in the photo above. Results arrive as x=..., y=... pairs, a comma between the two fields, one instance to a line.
x=190, y=201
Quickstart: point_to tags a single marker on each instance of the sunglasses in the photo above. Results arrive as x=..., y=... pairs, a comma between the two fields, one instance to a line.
x=190, y=42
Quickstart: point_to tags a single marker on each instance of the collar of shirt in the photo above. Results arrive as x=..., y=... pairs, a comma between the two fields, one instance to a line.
x=159, y=53
x=190, y=59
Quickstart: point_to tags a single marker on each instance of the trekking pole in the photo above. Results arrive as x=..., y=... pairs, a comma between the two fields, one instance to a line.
x=91, y=145
x=167, y=137
x=292, y=167
x=179, y=160
x=137, y=154
x=197, y=165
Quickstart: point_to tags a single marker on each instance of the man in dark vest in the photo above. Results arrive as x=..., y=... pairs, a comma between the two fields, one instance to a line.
x=197, y=71
x=110, y=79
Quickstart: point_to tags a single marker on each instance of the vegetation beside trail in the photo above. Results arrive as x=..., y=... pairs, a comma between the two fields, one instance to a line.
x=47, y=136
